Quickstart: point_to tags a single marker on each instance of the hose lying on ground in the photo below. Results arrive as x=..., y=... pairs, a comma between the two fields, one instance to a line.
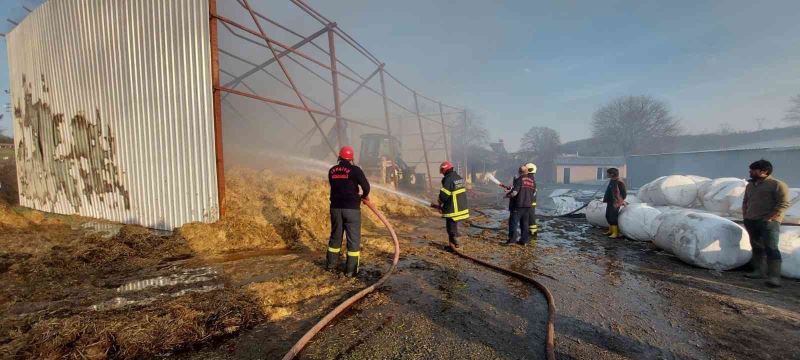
x=352, y=300
x=551, y=307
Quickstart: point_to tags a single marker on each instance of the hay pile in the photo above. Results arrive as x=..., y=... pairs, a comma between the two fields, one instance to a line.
x=268, y=209
x=52, y=273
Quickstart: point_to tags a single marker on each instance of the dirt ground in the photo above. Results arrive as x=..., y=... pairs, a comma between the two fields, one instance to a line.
x=252, y=284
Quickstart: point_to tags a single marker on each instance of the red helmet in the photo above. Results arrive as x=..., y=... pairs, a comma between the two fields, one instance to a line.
x=445, y=167
x=346, y=153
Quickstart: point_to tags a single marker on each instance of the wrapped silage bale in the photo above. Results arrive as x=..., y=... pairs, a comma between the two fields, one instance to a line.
x=633, y=199
x=792, y=215
x=678, y=190
x=702, y=183
x=596, y=213
x=636, y=222
x=670, y=217
x=706, y=240
x=645, y=191
x=724, y=193
x=789, y=246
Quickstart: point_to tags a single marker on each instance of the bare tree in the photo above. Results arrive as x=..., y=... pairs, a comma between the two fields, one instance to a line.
x=542, y=141
x=634, y=123
x=544, y=144
x=793, y=114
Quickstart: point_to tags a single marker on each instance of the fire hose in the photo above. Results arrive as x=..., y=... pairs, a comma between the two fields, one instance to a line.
x=551, y=307
x=353, y=299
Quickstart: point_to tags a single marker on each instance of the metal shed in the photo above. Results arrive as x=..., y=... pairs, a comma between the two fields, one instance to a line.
x=113, y=111
x=714, y=164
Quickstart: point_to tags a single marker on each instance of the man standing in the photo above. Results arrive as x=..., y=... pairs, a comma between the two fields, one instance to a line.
x=452, y=201
x=345, y=179
x=521, y=199
x=615, y=199
x=532, y=226
x=765, y=201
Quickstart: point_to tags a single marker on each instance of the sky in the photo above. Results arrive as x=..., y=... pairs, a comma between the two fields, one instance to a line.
x=519, y=64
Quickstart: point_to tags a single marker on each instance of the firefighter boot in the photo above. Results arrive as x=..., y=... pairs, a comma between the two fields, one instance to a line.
x=331, y=260
x=759, y=263
x=774, y=273
x=614, y=232
x=351, y=267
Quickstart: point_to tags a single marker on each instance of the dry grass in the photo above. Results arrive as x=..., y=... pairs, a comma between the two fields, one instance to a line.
x=268, y=210
x=52, y=271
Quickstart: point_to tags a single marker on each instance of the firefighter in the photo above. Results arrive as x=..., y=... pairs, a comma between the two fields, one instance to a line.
x=452, y=202
x=521, y=199
x=615, y=199
x=345, y=178
x=532, y=226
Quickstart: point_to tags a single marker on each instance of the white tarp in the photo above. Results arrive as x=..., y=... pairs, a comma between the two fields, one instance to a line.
x=637, y=221
x=704, y=240
x=790, y=251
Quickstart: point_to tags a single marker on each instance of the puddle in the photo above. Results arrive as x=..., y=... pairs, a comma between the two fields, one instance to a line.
x=139, y=292
x=120, y=302
x=188, y=276
x=102, y=229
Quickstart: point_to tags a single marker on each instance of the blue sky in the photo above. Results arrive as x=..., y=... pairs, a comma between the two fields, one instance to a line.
x=531, y=63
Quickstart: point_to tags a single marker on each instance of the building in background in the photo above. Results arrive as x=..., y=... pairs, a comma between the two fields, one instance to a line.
x=714, y=164
x=587, y=169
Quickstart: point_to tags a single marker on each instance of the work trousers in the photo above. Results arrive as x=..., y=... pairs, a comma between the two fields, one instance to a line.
x=452, y=230
x=532, y=226
x=519, y=220
x=612, y=214
x=345, y=221
x=764, y=236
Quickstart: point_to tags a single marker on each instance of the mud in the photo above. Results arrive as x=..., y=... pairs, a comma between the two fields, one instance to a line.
x=250, y=286
x=616, y=299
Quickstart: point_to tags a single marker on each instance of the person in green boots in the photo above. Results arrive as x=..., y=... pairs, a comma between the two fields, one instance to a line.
x=765, y=202
x=615, y=199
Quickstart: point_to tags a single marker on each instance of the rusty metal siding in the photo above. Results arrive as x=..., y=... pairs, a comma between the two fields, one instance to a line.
x=113, y=111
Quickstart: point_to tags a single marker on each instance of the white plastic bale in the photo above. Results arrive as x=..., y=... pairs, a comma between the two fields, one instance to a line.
x=706, y=240
x=633, y=199
x=637, y=222
x=722, y=194
x=792, y=214
x=596, y=213
x=702, y=183
x=669, y=218
x=789, y=246
x=678, y=190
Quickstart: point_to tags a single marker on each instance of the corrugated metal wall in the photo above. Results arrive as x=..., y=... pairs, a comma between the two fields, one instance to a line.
x=113, y=111
x=714, y=164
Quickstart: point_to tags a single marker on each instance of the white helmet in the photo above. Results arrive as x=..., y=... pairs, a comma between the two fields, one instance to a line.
x=531, y=168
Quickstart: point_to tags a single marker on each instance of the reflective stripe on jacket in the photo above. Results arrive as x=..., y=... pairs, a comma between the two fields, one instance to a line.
x=453, y=197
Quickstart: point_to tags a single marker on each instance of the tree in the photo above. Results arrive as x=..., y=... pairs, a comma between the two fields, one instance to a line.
x=544, y=144
x=541, y=141
x=793, y=114
x=635, y=124
x=468, y=138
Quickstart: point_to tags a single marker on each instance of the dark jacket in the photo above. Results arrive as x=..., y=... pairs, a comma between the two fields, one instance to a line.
x=522, y=192
x=615, y=193
x=345, y=178
x=453, y=197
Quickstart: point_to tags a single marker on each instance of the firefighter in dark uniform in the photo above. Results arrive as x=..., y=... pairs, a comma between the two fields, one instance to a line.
x=452, y=201
x=521, y=199
x=532, y=226
x=345, y=179
x=615, y=199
